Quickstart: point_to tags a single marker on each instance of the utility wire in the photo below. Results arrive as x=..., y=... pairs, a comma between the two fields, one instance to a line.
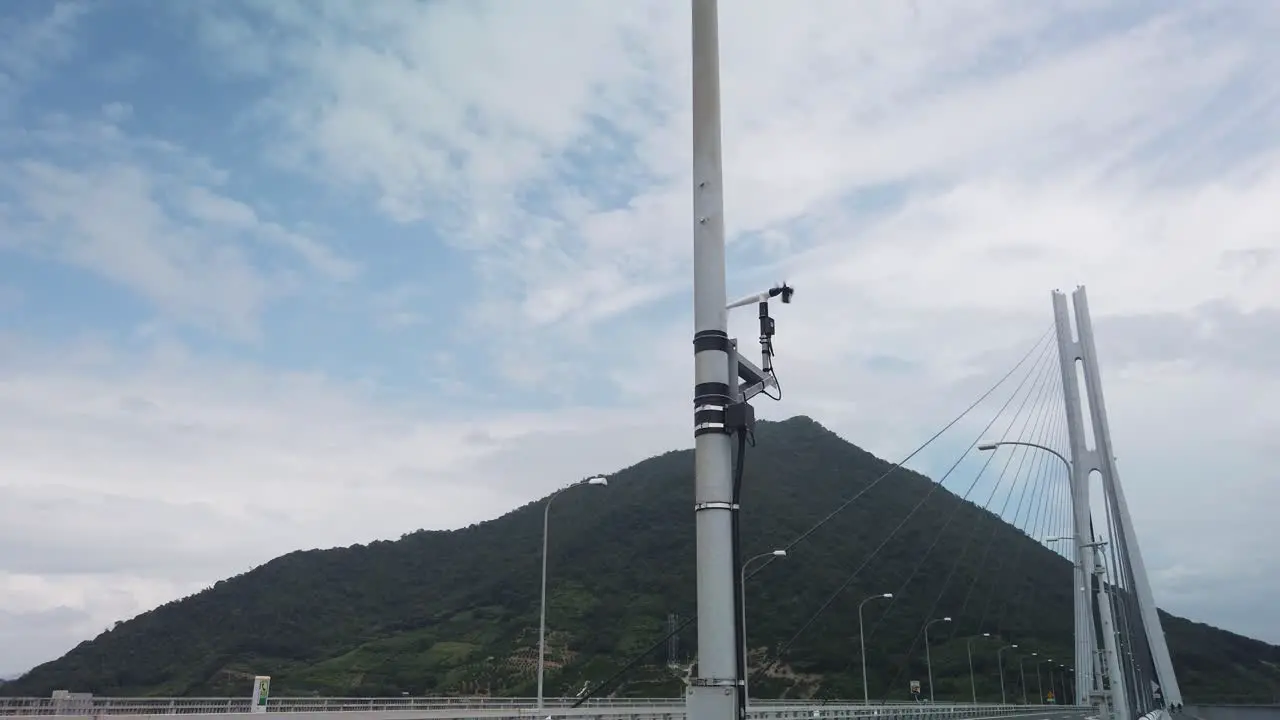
x=1044, y=528
x=1119, y=598
x=898, y=465
x=934, y=487
x=1123, y=574
x=1053, y=526
x=1039, y=394
x=1036, y=390
x=997, y=522
x=1034, y=530
x=1039, y=434
x=1067, y=519
x=1037, y=534
x=955, y=565
x=691, y=619
x=1038, y=488
x=1025, y=499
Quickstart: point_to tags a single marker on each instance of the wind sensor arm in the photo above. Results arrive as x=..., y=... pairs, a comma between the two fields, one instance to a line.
x=763, y=297
x=756, y=380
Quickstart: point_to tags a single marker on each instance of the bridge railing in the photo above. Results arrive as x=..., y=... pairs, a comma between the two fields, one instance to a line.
x=499, y=707
x=309, y=704
x=1223, y=711
x=196, y=705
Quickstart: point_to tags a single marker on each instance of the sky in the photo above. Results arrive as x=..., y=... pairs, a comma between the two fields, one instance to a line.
x=284, y=274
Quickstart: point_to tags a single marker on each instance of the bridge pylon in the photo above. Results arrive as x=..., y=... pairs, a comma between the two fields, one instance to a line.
x=1112, y=600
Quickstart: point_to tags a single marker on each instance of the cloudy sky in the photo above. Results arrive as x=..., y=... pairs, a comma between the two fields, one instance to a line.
x=280, y=275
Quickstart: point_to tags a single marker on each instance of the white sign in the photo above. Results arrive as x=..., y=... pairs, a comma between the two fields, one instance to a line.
x=261, y=690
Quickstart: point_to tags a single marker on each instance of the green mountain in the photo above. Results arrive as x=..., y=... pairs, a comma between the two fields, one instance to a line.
x=455, y=612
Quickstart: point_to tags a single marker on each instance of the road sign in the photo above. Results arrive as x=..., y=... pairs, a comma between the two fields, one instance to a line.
x=261, y=690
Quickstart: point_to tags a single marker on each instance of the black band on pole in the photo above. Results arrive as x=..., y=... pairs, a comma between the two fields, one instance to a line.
x=704, y=340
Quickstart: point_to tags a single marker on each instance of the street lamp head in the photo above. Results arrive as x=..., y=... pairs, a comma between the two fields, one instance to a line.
x=779, y=553
x=597, y=480
x=986, y=634
x=946, y=619
x=887, y=595
x=987, y=447
x=1013, y=646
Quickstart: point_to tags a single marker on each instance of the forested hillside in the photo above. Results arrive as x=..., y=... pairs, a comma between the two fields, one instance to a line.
x=456, y=611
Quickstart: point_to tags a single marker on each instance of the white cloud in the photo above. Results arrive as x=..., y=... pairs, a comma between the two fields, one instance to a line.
x=149, y=217
x=31, y=46
x=924, y=174
x=117, y=112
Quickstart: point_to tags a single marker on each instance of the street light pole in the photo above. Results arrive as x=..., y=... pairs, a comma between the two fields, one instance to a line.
x=973, y=686
x=992, y=446
x=1022, y=672
x=928, y=657
x=1079, y=487
x=862, y=645
x=746, y=696
x=1040, y=685
x=542, y=622
x=1000, y=662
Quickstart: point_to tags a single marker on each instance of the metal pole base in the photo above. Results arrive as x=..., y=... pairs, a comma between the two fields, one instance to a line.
x=711, y=702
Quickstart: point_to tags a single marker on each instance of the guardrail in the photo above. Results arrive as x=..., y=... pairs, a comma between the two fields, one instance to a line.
x=456, y=708
x=187, y=706
x=380, y=703
x=1230, y=712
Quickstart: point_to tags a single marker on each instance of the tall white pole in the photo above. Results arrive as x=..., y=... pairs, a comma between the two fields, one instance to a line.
x=542, y=622
x=542, y=612
x=742, y=588
x=973, y=685
x=862, y=643
x=928, y=657
x=862, y=648
x=928, y=660
x=1003, y=701
x=1000, y=662
x=1039, y=684
x=711, y=694
x=1022, y=673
